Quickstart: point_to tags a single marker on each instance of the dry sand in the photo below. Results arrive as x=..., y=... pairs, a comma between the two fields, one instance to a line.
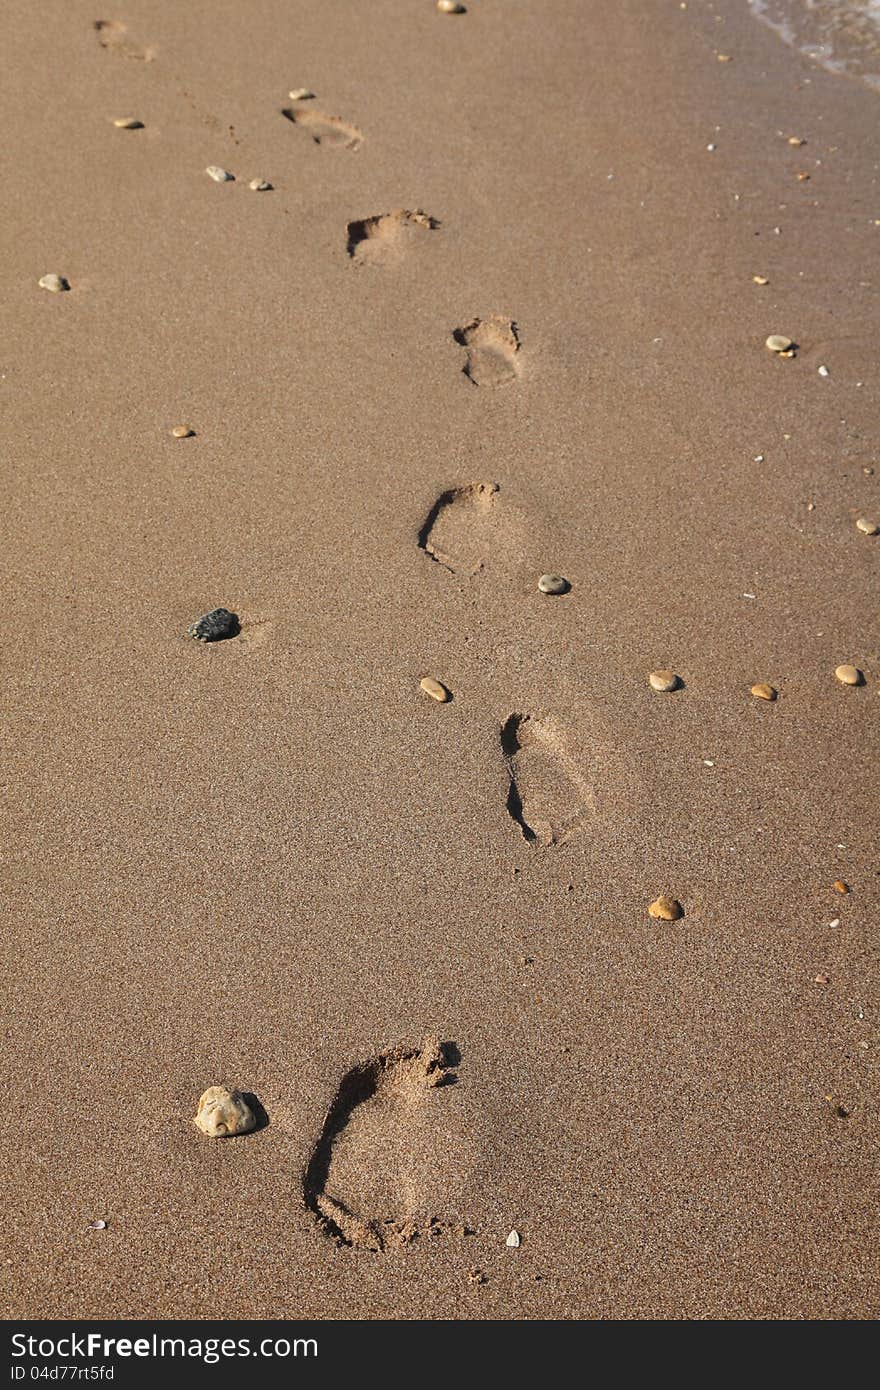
x=272, y=860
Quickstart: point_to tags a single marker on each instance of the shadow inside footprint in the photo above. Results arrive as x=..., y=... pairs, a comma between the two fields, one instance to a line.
x=330, y=132
x=548, y=797
x=492, y=346
x=459, y=530
x=359, y=1181
x=383, y=239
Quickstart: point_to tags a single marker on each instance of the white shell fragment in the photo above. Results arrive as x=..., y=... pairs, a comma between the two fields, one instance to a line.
x=301, y=94
x=513, y=1240
x=823, y=371
x=222, y=1113
x=53, y=283
x=97, y=1225
x=219, y=175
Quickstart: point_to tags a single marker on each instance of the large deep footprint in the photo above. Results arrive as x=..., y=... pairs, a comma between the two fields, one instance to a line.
x=369, y=1179
x=492, y=350
x=385, y=239
x=330, y=132
x=113, y=36
x=549, y=797
x=461, y=528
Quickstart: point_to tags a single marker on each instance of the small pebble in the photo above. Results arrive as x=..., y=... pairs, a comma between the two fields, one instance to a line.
x=803, y=176
x=182, y=432
x=840, y=886
x=214, y=626
x=222, y=1113
x=219, y=175
x=868, y=472
x=663, y=681
x=823, y=371
x=723, y=57
x=665, y=909
x=450, y=7
x=513, y=1241
x=849, y=675
x=553, y=584
x=796, y=140
x=711, y=148
x=868, y=528
x=97, y=1225
x=777, y=342
x=835, y=922
x=760, y=280
x=435, y=689
x=53, y=283
x=821, y=979
x=763, y=691
x=128, y=123
x=260, y=186
x=301, y=94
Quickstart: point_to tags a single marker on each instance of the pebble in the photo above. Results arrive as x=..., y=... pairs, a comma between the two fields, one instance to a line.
x=450, y=7
x=777, y=342
x=214, y=626
x=868, y=472
x=222, y=1113
x=823, y=371
x=835, y=922
x=821, y=979
x=763, y=691
x=219, y=175
x=796, y=140
x=97, y=1225
x=803, y=176
x=760, y=280
x=260, y=185
x=849, y=675
x=513, y=1241
x=435, y=689
x=553, y=584
x=663, y=681
x=665, y=909
x=54, y=283
x=301, y=94
x=868, y=528
x=128, y=123
x=840, y=886
x=183, y=432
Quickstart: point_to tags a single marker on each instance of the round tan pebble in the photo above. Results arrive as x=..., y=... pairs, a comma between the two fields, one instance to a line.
x=849, y=675
x=553, y=584
x=55, y=284
x=840, y=886
x=665, y=909
x=435, y=689
x=219, y=175
x=222, y=1113
x=260, y=186
x=867, y=528
x=182, y=432
x=777, y=342
x=450, y=7
x=663, y=681
x=763, y=691
x=128, y=123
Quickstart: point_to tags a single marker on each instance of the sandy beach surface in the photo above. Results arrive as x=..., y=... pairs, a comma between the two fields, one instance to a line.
x=495, y=318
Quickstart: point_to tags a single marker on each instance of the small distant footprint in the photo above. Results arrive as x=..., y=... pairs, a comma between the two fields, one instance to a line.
x=492, y=346
x=362, y=1180
x=461, y=528
x=330, y=132
x=549, y=797
x=111, y=34
x=382, y=240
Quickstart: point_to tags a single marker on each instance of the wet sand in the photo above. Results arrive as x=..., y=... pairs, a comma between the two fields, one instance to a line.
x=268, y=861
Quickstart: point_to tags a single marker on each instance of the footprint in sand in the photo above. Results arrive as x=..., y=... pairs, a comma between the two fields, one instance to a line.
x=330, y=132
x=368, y=1180
x=549, y=797
x=384, y=240
x=461, y=528
x=492, y=346
x=112, y=34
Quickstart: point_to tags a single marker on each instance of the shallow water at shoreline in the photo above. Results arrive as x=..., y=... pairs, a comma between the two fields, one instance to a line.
x=843, y=36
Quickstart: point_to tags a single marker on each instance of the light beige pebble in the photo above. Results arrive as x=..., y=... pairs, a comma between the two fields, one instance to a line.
x=128, y=123
x=435, y=689
x=760, y=280
x=219, y=175
x=663, y=681
x=849, y=675
x=260, y=185
x=665, y=909
x=777, y=342
x=222, y=1113
x=763, y=691
x=513, y=1240
x=301, y=94
x=55, y=284
x=182, y=431
x=553, y=584
x=868, y=528
x=450, y=7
